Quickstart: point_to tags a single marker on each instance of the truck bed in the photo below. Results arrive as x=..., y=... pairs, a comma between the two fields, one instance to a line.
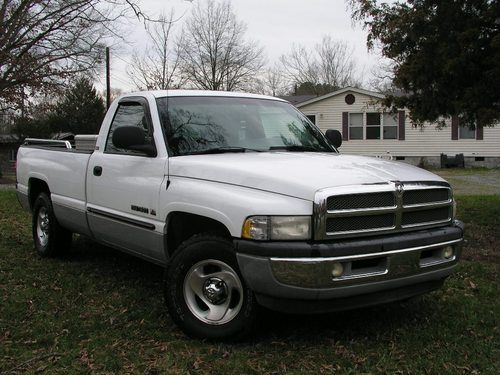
x=64, y=171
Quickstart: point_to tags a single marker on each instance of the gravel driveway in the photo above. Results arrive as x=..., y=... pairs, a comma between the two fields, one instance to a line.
x=472, y=181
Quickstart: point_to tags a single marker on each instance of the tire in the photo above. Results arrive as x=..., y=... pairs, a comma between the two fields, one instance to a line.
x=49, y=237
x=205, y=293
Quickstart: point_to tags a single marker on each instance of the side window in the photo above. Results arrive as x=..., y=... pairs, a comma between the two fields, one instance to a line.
x=390, y=126
x=312, y=118
x=373, y=125
x=465, y=132
x=128, y=114
x=12, y=155
x=355, y=126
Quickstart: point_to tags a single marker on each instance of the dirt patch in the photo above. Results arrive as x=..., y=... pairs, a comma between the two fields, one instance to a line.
x=472, y=253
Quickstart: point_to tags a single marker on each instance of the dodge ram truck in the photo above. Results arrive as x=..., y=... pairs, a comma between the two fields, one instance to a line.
x=245, y=203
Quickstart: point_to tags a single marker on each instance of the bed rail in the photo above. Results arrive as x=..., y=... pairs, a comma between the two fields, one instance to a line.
x=47, y=143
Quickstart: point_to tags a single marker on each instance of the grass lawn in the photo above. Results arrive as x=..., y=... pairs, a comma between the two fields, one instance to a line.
x=100, y=311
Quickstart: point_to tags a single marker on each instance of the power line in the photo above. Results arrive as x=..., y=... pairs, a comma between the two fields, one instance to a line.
x=122, y=59
x=119, y=79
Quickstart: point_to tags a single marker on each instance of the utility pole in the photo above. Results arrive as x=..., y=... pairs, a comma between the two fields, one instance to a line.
x=108, y=81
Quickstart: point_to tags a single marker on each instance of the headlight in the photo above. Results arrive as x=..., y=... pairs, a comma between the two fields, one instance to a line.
x=277, y=228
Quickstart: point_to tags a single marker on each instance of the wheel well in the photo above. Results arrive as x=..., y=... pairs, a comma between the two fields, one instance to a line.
x=182, y=225
x=35, y=187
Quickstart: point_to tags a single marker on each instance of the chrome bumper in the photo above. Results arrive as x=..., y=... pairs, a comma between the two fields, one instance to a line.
x=355, y=269
x=372, y=269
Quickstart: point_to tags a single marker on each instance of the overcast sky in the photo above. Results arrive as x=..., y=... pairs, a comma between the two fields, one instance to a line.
x=274, y=24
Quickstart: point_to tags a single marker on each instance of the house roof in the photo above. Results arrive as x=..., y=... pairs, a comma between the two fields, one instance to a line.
x=8, y=138
x=296, y=99
x=341, y=91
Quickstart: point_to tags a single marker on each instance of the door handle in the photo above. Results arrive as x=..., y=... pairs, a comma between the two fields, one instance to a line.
x=97, y=170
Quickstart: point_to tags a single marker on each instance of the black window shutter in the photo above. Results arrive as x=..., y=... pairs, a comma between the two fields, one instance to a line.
x=401, y=125
x=454, y=128
x=479, y=132
x=345, y=126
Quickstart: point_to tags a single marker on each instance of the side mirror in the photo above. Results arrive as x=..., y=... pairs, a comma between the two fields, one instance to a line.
x=132, y=138
x=334, y=137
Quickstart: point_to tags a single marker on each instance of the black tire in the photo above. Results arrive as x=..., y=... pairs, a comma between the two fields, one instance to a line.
x=50, y=238
x=208, y=250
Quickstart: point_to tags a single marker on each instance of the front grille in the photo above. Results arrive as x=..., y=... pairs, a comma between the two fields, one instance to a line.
x=356, y=201
x=356, y=223
x=425, y=196
x=426, y=216
x=355, y=210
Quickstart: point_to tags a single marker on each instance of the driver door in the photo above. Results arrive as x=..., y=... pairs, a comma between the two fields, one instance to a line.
x=123, y=188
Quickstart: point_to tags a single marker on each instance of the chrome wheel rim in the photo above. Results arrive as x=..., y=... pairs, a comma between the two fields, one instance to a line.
x=42, y=226
x=213, y=292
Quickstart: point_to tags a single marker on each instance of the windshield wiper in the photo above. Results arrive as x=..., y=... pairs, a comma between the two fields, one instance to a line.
x=221, y=150
x=296, y=148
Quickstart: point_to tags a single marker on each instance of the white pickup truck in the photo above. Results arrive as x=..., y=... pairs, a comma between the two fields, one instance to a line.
x=245, y=203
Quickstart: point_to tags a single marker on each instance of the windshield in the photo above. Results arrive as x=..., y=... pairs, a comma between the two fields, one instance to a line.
x=197, y=125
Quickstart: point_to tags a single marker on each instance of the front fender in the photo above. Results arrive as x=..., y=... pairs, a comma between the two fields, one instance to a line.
x=226, y=203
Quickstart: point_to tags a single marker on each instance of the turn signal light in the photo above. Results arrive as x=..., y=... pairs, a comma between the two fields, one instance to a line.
x=447, y=252
x=337, y=270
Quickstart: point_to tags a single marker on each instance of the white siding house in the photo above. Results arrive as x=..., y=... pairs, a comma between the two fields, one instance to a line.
x=368, y=129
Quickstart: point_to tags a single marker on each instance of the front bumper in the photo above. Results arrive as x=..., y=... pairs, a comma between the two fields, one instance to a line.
x=297, y=276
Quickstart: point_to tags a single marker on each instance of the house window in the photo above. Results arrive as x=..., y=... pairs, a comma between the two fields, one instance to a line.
x=373, y=125
x=12, y=155
x=355, y=126
x=350, y=99
x=312, y=118
x=390, y=126
x=378, y=125
x=464, y=132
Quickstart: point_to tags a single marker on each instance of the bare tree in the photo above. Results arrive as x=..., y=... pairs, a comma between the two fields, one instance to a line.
x=156, y=67
x=383, y=77
x=275, y=81
x=214, y=54
x=115, y=93
x=270, y=81
x=330, y=64
x=45, y=41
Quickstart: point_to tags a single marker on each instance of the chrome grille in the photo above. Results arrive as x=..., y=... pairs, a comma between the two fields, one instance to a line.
x=425, y=216
x=380, y=208
x=350, y=223
x=355, y=201
x=425, y=196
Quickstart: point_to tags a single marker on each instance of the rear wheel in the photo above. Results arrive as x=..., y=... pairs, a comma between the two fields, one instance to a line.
x=49, y=237
x=204, y=291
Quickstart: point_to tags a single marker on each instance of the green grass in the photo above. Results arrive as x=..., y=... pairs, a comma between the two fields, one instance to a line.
x=100, y=311
x=482, y=217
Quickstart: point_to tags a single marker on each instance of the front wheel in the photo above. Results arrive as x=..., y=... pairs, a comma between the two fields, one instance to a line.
x=204, y=291
x=49, y=237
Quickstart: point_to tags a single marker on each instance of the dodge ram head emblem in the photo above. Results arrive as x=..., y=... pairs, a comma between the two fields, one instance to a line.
x=399, y=187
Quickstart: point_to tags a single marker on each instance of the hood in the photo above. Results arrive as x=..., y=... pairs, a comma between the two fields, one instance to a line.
x=297, y=174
